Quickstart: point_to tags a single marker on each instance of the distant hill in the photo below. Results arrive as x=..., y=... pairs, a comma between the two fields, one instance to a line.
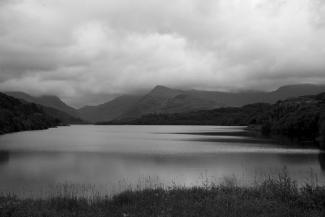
x=109, y=110
x=237, y=116
x=48, y=101
x=51, y=105
x=17, y=115
x=64, y=118
x=288, y=91
x=256, y=114
x=167, y=100
x=152, y=102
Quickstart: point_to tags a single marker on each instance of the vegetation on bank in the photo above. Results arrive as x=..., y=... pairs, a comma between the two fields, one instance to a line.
x=302, y=118
x=16, y=115
x=272, y=198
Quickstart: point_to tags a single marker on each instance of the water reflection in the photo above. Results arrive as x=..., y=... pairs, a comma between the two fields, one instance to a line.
x=4, y=157
x=233, y=140
x=105, y=155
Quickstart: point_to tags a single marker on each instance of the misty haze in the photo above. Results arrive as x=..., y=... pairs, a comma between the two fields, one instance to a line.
x=162, y=108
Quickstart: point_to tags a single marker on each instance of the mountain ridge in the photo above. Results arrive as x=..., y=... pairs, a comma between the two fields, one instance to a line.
x=46, y=100
x=162, y=99
x=109, y=110
x=19, y=115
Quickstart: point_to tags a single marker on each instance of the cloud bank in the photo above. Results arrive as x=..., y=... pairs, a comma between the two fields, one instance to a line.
x=81, y=49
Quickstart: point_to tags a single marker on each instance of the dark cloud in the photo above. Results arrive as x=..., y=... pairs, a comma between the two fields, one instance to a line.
x=95, y=49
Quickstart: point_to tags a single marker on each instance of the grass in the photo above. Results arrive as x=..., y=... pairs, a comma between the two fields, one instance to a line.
x=274, y=197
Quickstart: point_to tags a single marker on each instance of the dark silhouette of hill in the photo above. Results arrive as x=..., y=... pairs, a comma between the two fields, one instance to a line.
x=301, y=117
x=47, y=100
x=17, y=115
x=109, y=110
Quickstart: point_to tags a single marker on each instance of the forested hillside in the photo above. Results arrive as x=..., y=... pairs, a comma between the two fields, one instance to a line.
x=47, y=101
x=16, y=115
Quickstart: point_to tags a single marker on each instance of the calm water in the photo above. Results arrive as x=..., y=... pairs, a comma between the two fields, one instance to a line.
x=111, y=158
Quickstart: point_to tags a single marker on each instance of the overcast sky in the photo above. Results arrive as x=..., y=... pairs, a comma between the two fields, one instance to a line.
x=87, y=50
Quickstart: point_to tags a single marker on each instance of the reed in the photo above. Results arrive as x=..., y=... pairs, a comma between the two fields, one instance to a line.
x=273, y=197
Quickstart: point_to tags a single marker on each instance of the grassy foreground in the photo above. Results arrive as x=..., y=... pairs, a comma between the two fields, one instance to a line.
x=273, y=198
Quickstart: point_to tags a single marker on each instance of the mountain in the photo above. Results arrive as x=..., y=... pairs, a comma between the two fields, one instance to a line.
x=221, y=116
x=17, y=115
x=152, y=102
x=295, y=90
x=165, y=100
x=108, y=111
x=64, y=118
x=162, y=99
x=306, y=109
x=48, y=101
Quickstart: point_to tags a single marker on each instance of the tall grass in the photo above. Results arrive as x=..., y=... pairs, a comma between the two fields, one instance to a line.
x=274, y=197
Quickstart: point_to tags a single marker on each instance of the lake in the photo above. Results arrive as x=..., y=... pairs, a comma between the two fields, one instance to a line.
x=110, y=159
